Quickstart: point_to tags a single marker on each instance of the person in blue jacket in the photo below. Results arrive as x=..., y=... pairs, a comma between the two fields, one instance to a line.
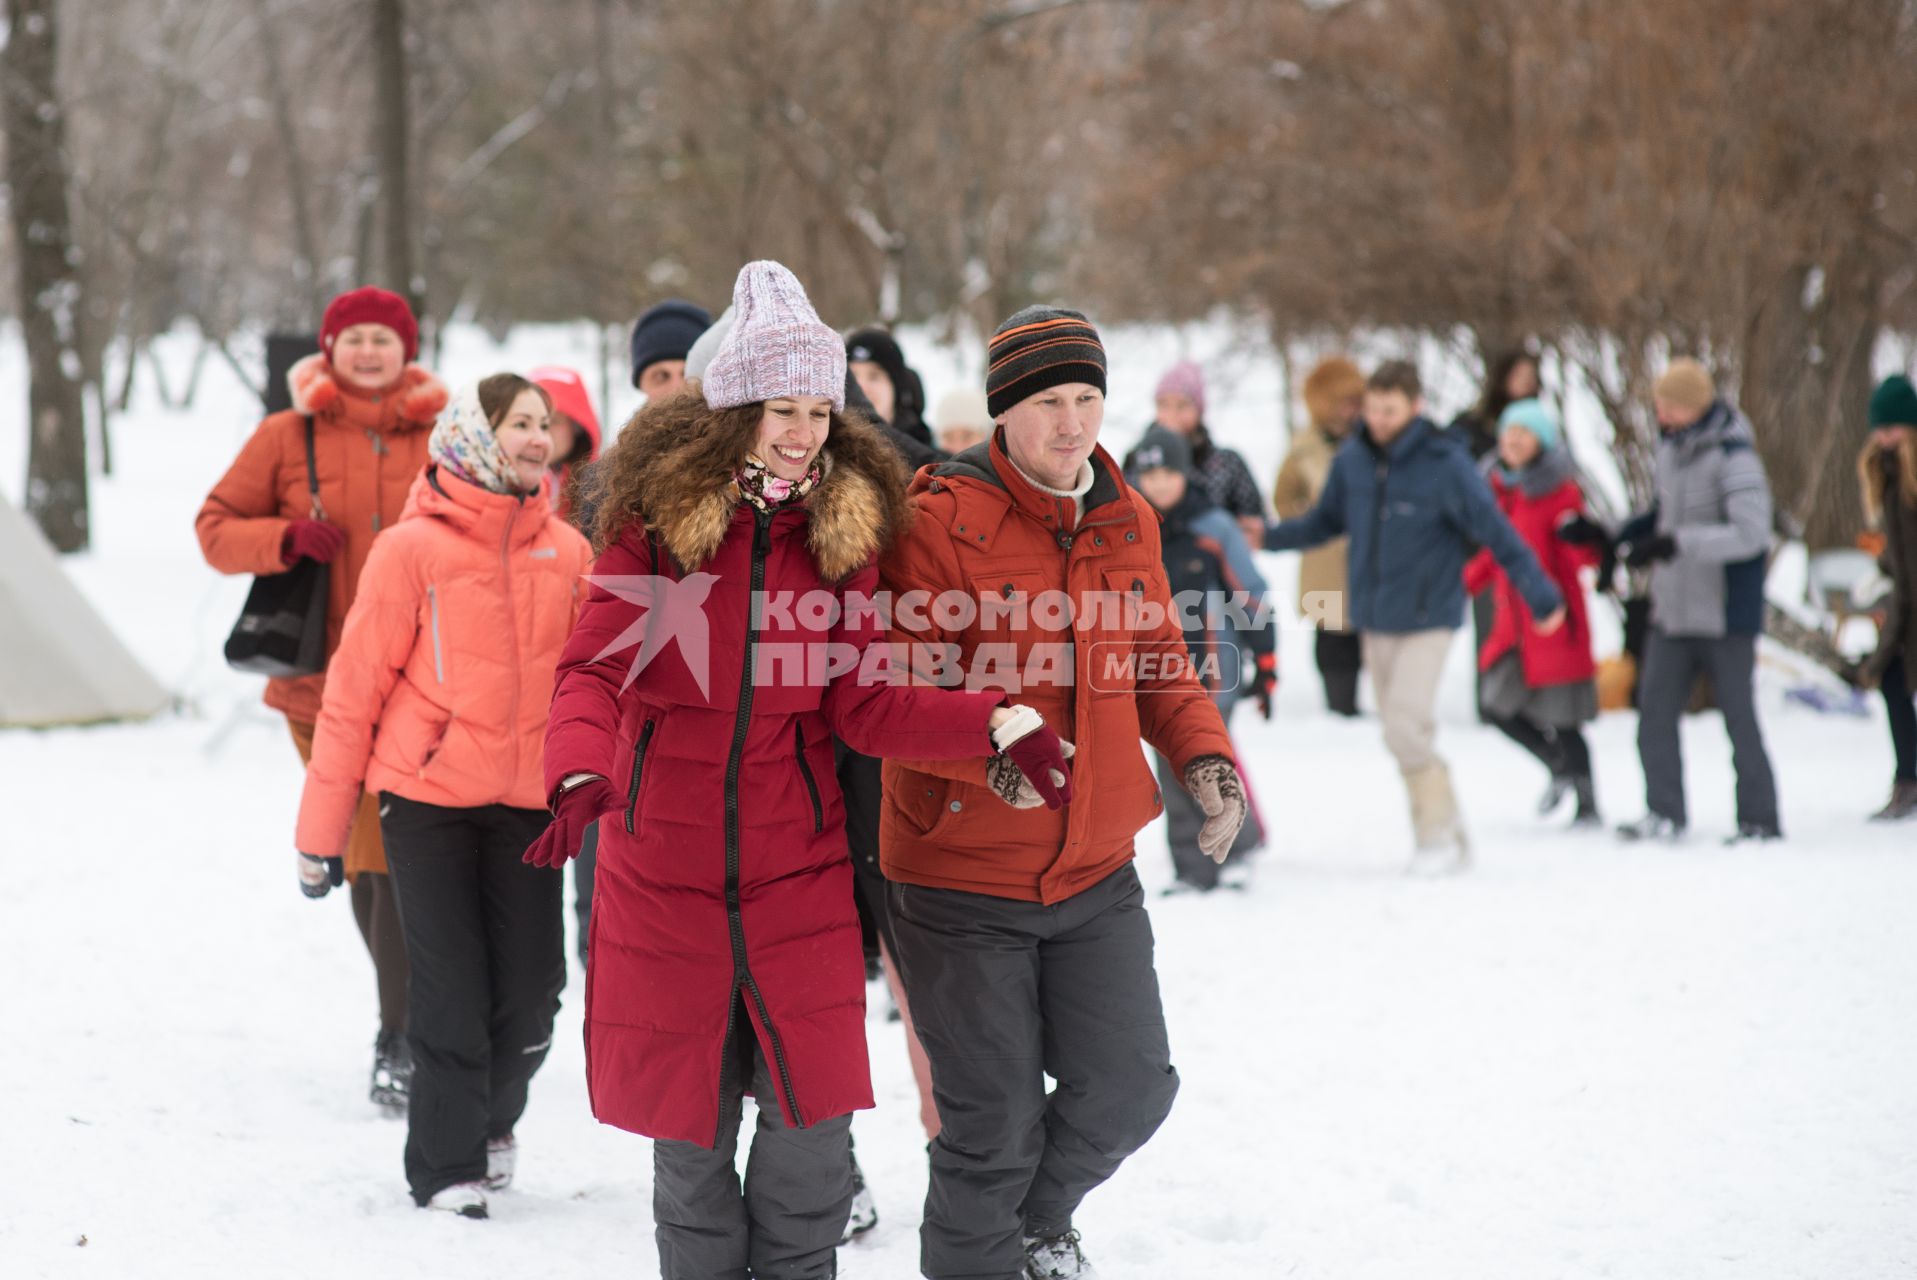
x=1230, y=636
x=1416, y=509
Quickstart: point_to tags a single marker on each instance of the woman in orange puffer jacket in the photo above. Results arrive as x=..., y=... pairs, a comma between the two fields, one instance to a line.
x=437, y=701
x=372, y=410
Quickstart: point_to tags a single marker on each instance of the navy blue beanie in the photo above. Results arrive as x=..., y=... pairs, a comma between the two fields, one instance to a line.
x=666, y=332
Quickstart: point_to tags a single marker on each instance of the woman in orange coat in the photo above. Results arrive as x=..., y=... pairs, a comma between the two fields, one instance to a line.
x=436, y=701
x=371, y=410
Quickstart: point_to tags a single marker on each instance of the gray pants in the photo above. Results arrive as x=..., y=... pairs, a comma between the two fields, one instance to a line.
x=785, y=1223
x=1671, y=666
x=1006, y=992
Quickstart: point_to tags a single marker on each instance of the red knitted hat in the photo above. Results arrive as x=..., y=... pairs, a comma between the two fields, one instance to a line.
x=369, y=305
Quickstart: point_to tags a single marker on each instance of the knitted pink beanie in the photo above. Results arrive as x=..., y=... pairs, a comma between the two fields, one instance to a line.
x=778, y=346
x=1184, y=379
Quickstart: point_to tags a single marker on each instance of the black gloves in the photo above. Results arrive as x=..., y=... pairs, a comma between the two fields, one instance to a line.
x=1264, y=681
x=320, y=876
x=1649, y=551
x=1580, y=531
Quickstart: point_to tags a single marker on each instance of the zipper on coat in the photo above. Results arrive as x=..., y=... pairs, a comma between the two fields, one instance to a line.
x=811, y=787
x=638, y=764
x=742, y=722
x=439, y=663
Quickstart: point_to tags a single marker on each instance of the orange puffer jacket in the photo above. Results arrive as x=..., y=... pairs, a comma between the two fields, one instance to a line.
x=1088, y=597
x=369, y=448
x=441, y=684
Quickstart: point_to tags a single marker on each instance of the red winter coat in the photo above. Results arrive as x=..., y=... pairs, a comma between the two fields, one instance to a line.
x=725, y=876
x=369, y=447
x=1564, y=656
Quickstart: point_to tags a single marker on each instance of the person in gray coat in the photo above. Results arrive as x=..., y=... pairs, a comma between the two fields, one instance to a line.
x=1706, y=544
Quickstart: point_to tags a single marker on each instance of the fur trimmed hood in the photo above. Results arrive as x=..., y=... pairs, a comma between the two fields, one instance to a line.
x=316, y=390
x=673, y=467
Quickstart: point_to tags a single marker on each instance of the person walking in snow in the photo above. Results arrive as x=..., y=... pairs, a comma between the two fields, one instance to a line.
x=1221, y=599
x=1222, y=473
x=1415, y=509
x=662, y=340
x=1887, y=472
x=1334, y=397
x=1707, y=545
x=436, y=703
x=1536, y=688
x=1022, y=932
x=574, y=432
x=370, y=411
x=725, y=946
x=892, y=387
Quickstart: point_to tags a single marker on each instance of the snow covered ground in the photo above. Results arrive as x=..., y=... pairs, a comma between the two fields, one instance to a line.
x=1580, y=1061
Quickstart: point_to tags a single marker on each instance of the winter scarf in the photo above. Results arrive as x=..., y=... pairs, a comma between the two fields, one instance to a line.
x=464, y=444
x=768, y=492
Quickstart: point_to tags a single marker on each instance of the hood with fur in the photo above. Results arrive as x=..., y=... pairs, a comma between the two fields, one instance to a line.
x=674, y=465
x=316, y=390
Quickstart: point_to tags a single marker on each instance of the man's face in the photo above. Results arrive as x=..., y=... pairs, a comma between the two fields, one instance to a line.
x=663, y=378
x=877, y=385
x=1388, y=413
x=1050, y=434
x=1673, y=417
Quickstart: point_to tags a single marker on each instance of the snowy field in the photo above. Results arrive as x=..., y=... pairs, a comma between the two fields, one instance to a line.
x=1579, y=1061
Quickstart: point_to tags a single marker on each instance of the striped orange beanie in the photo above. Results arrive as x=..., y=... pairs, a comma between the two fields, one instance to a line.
x=1037, y=348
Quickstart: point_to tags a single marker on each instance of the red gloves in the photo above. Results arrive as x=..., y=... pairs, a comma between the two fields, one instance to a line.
x=1040, y=756
x=312, y=539
x=573, y=812
x=1264, y=682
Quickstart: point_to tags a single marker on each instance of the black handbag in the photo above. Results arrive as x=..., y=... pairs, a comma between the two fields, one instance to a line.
x=282, y=628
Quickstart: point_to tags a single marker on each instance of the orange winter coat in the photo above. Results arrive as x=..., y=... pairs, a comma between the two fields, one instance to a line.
x=441, y=685
x=369, y=448
x=982, y=531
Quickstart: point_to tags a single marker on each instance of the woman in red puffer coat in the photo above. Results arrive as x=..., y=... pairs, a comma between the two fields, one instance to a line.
x=1538, y=687
x=725, y=953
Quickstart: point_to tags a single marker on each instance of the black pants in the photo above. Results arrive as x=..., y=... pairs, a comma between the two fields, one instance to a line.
x=1005, y=993
x=1903, y=719
x=1340, y=658
x=861, y=784
x=784, y=1223
x=486, y=939
x=1563, y=751
x=376, y=911
x=1671, y=667
x=584, y=868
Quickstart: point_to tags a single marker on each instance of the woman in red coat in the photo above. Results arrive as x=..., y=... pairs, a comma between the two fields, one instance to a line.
x=1538, y=687
x=739, y=524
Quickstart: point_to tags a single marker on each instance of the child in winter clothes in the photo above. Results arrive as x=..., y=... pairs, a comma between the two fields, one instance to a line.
x=1208, y=565
x=1537, y=688
x=371, y=411
x=725, y=954
x=437, y=701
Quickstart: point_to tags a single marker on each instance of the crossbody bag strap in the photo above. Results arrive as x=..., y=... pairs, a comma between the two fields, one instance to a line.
x=312, y=473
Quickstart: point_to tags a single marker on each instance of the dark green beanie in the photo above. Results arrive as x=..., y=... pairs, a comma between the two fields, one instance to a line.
x=1894, y=403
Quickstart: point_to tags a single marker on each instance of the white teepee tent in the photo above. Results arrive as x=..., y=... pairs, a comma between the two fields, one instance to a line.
x=59, y=661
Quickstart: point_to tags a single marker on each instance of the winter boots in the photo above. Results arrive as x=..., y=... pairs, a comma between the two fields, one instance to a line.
x=1056, y=1258
x=865, y=1210
x=392, y=1072
x=467, y=1199
x=1902, y=803
x=1568, y=784
x=502, y=1159
x=1652, y=826
x=1441, y=844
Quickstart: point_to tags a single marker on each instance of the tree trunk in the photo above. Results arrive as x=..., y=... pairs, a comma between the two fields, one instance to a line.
x=304, y=235
x=50, y=295
x=389, y=59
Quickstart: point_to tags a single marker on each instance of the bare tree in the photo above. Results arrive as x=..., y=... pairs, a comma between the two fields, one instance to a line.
x=48, y=274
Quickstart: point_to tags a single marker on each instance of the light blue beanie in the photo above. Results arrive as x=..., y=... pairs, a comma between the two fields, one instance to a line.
x=1533, y=417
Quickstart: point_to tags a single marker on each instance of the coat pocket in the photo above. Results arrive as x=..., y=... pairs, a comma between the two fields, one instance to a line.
x=638, y=770
x=811, y=784
x=439, y=652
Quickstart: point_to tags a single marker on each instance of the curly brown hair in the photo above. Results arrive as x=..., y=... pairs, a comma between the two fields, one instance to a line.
x=674, y=453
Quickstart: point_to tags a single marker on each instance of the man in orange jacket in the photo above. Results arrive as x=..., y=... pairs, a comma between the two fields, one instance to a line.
x=1022, y=933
